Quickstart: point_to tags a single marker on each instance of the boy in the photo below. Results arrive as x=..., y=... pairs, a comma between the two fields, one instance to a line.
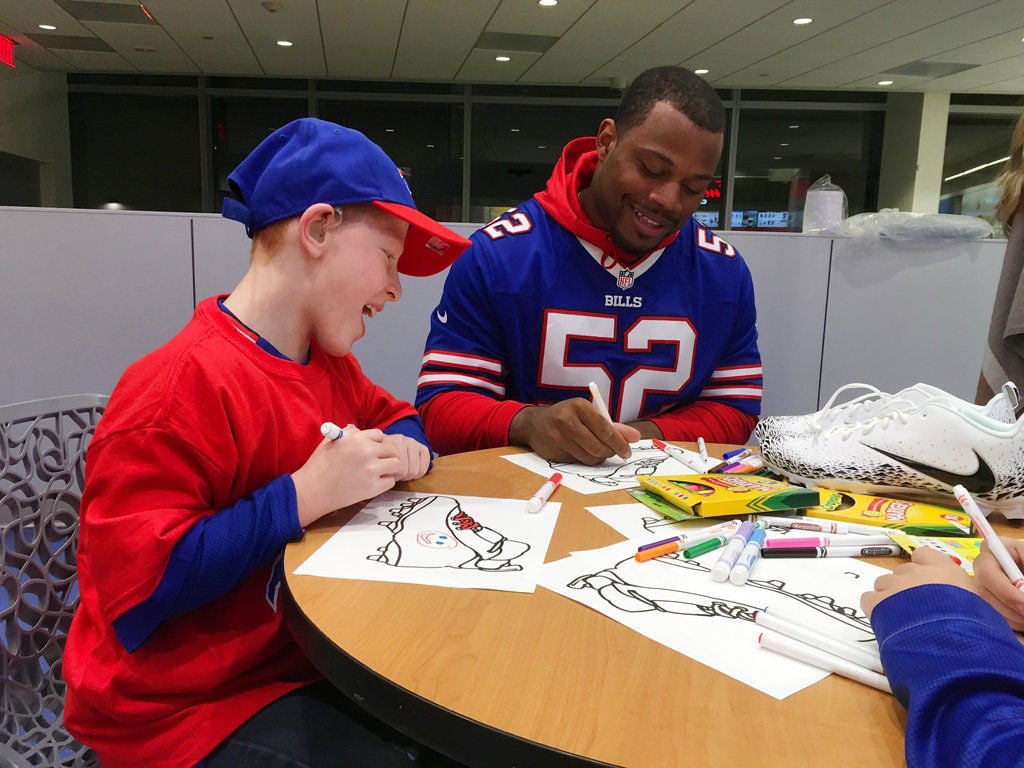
x=209, y=459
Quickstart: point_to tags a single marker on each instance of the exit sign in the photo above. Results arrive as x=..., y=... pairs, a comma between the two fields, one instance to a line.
x=7, y=51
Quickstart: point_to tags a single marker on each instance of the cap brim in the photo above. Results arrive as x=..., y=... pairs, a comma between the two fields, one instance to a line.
x=429, y=246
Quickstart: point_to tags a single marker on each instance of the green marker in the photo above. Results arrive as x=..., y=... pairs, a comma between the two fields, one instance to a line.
x=705, y=546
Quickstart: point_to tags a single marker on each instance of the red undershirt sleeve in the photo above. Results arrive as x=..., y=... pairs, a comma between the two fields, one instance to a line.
x=715, y=422
x=467, y=421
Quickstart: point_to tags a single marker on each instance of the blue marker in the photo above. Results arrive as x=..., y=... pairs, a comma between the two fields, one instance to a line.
x=748, y=558
x=720, y=570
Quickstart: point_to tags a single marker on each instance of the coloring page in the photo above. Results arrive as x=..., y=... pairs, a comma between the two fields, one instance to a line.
x=673, y=601
x=439, y=539
x=614, y=472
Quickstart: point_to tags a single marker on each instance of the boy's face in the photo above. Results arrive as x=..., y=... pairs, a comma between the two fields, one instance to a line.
x=650, y=179
x=360, y=275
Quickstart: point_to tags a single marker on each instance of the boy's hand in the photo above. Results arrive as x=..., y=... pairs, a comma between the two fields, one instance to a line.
x=996, y=587
x=926, y=566
x=413, y=455
x=357, y=466
x=571, y=430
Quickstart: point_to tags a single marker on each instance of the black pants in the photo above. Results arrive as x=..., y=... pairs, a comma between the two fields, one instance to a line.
x=318, y=727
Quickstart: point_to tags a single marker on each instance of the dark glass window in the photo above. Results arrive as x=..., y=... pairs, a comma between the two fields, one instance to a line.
x=977, y=148
x=424, y=139
x=515, y=148
x=141, y=152
x=781, y=152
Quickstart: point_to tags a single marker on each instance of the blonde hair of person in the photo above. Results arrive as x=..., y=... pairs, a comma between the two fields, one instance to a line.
x=1011, y=181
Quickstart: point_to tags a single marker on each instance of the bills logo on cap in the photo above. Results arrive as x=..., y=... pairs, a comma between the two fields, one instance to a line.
x=437, y=245
x=625, y=281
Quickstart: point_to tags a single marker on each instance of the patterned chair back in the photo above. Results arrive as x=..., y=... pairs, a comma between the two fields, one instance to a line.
x=42, y=472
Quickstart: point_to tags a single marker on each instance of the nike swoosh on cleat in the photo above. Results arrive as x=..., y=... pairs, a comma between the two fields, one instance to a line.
x=442, y=316
x=981, y=482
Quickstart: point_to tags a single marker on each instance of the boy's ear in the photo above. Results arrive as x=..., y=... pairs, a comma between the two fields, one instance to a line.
x=314, y=224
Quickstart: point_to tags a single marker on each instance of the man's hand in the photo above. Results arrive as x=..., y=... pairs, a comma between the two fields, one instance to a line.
x=571, y=430
x=413, y=455
x=926, y=566
x=994, y=585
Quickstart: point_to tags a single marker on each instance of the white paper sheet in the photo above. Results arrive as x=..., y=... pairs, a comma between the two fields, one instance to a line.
x=674, y=602
x=613, y=473
x=440, y=539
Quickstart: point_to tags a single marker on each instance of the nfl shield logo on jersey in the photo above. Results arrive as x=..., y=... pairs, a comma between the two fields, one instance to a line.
x=625, y=281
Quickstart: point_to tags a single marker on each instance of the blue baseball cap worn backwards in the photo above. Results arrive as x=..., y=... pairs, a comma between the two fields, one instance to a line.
x=311, y=161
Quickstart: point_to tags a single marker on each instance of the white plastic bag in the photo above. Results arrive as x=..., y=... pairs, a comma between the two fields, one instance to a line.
x=825, y=207
x=908, y=228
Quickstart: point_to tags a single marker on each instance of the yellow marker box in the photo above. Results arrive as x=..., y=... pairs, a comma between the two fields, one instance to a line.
x=912, y=517
x=719, y=495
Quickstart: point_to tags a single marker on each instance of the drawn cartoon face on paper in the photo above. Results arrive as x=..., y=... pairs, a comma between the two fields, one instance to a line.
x=435, y=532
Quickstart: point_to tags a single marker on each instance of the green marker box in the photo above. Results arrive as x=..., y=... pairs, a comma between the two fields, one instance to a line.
x=720, y=495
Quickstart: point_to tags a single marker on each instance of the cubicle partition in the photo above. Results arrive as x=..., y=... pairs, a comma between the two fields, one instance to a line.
x=84, y=293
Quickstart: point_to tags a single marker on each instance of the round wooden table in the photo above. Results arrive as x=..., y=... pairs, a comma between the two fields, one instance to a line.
x=495, y=678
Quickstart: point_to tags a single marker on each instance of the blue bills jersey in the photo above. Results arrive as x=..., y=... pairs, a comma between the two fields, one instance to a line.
x=532, y=313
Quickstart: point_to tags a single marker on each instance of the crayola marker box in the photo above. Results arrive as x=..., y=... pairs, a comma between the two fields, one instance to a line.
x=717, y=495
x=911, y=517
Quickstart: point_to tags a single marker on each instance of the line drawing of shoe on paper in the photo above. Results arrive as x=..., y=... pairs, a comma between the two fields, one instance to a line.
x=435, y=532
x=615, y=472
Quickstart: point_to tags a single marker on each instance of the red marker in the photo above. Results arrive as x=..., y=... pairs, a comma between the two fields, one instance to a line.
x=543, y=493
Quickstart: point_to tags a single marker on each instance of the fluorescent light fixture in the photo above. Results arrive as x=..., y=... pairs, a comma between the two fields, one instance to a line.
x=803, y=20
x=502, y=58
x=547, y=2
x=47, y=26
x=285, y=43
x=701, y=71
x=977, y=168
x=885, y=82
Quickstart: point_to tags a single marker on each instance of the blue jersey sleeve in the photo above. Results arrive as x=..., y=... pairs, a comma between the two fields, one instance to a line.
x=958, y=668
x=216, y=554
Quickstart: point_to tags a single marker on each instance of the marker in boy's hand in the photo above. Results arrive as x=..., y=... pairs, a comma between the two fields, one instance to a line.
x=363, y=464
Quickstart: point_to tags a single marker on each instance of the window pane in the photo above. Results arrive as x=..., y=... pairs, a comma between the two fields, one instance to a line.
x=781, y=153
x=977, y=147
x=425, y=141
x=515, y=148
x=139, y=151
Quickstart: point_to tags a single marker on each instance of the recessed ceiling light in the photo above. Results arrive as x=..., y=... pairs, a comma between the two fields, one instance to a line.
x=885, y=82
x=502, y=58
x=701, y=71
x=547, y=2
x=47, y=26
x=802, y=20
x=285, y=43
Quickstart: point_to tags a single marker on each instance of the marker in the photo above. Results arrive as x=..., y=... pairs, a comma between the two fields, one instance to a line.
x=736, y=455
x=884, y=550
x=331, y=431
x=705, y=546
x=668, y=546
x=702, y=449
x=676, y=453
x=599, y=403
x=807, y=524
x=1006, y=561
x=533, y=506
x=720, y=570
x=787, y=646
x=748, y=558
x=853, y=539
x=692, y=537
x=862, y=655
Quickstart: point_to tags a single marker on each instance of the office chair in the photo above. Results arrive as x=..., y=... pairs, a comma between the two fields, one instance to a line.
x=42, y=467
